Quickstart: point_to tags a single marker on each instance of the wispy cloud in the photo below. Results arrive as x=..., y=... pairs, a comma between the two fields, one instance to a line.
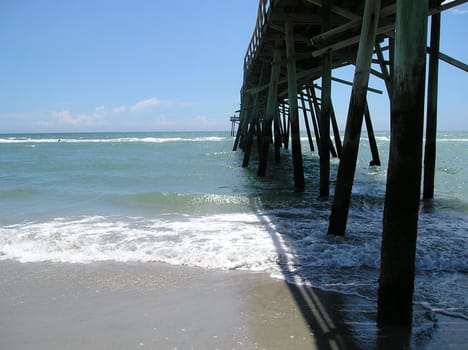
x=93, y=119
x=100, y=116
x=141, y=105
x=144, y=114
x=455, y=11
x=137, y=107
x=459, y=12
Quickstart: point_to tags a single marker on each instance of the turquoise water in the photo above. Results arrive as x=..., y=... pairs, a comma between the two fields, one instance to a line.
x=182, y=198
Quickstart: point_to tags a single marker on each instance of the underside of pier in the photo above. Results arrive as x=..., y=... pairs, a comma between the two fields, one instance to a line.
x=288, y=75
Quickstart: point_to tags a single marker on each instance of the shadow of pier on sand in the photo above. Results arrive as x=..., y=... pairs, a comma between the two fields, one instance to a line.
x=336, y=320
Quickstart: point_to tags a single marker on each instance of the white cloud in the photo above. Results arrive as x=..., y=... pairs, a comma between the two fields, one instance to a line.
x=137, y=107
x=119, y=109
x=64, y=117
x=139, y=115
x=100, y=113
x=67, y=118
x=100, y=109
x=144, y=104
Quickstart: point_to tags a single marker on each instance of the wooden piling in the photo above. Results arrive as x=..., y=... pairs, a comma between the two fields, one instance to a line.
x=325, y=106
x=285, y=113
x=431, y=121
x=278, y=136
x=384, y=69
x=293, y=110
x=251, y=131
x=315, y=112
x=280, y=125
x=396, y=282
x=391, y=58
x=306, y=122
x=336, y=132
x=347, y=167
x=371, y=136
x=253, y=120
x=243, y=122
x=248, y=145
x=271, y=110
x=333, y=152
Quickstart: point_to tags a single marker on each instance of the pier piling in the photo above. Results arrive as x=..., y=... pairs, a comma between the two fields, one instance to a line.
x=431, y=119
x=271, y=112
x=293, y=110
x=347, y=167
x=326, y=106
x=306, y=121
x=370, y=134
x=396, y=282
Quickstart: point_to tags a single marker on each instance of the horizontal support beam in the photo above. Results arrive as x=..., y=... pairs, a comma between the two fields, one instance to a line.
x=454, y=62
x=380, y=92
x=385, y=29
x=300, y=75
x=355, y=24
x=350, y=41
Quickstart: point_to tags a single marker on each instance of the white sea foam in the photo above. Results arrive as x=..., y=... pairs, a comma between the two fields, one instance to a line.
x=249, y=241
x=254, y=241
x=452, y=140
x=382, y=138
x=113, y=140
x=219, y=241
x=26, y=140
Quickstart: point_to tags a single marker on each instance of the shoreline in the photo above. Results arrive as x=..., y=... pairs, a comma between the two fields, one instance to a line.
x=114, y=305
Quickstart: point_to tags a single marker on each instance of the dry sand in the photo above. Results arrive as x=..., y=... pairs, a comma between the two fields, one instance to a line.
x=155, y=306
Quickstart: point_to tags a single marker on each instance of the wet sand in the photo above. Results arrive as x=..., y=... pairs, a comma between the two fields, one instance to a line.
x=156, y=306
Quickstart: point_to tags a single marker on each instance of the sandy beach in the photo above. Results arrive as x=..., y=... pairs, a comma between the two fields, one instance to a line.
x=156, y=306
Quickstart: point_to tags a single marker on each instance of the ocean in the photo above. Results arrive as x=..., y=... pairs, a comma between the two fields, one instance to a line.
x=184, y=199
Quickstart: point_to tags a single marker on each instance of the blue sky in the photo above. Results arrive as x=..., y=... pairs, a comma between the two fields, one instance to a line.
x=102, y=65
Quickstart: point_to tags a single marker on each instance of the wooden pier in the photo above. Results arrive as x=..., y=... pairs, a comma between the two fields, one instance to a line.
x=298, y=43
x=235, y=119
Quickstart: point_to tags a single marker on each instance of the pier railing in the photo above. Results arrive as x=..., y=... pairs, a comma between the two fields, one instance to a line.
x=264, y=7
